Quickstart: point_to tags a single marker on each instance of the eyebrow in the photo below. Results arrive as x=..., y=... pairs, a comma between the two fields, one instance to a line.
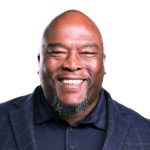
x=83, y=46
x=55, y=44
x=90, y=45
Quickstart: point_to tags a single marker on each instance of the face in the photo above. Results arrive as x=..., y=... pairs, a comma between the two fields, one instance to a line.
x=71, y=64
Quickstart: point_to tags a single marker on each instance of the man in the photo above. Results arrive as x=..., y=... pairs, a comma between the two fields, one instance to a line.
x=70, y=110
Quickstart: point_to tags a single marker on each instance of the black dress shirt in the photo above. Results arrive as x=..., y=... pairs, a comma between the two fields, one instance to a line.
x=52, y=133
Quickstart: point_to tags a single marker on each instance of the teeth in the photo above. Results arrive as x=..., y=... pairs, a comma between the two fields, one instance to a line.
x=66, y=81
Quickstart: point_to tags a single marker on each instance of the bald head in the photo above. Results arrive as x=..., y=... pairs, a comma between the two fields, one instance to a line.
x=71, y=65
x=72, y=18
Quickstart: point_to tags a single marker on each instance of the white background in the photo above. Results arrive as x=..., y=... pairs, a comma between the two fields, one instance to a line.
x=125, y=26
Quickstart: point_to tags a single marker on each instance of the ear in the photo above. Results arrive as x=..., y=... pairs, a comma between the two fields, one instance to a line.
x=104, y=57
x=38, y=57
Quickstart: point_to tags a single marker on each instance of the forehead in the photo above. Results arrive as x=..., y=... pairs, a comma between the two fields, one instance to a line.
x=73, y=32
x=73, y=27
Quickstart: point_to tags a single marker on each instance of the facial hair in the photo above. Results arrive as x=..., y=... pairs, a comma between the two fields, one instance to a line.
x=66, y=110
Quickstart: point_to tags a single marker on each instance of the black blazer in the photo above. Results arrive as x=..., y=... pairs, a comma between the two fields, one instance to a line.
x=126, y=130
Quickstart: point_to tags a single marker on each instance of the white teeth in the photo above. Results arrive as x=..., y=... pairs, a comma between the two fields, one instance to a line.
x=67, y=81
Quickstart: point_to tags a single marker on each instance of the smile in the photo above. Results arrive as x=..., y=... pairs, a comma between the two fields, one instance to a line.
x=72, y=81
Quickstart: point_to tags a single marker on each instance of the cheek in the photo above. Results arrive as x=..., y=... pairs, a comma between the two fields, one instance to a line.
x=50, y=66
x=46, y=73
x=96, y=68
x=97, y=74
x=46, y=70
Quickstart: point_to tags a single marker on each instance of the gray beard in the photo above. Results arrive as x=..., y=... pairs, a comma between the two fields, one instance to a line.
x=65, y=110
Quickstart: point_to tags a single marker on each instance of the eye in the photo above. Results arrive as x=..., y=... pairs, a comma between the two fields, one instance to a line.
x=56, y=52
x=88, y=53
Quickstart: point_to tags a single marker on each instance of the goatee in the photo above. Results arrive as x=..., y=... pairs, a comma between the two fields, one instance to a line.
x=66, y=110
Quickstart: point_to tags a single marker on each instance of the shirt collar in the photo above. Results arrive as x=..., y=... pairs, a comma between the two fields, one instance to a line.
x=42, y=109
x=98, y=117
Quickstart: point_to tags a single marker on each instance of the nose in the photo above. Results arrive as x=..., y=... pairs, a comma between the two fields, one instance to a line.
x=72, y=62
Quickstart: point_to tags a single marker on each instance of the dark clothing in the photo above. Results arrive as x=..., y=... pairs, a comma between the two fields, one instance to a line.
x=126, y=129
x=88, y=134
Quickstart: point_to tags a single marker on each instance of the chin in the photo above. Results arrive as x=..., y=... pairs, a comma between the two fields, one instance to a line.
x=73, y=100
x=69, y=107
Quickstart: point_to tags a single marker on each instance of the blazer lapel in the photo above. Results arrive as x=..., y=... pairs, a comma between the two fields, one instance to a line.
x=21, y=118
x=118, y=127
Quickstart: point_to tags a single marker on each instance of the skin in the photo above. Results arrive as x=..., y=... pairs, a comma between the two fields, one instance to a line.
x=72, y=49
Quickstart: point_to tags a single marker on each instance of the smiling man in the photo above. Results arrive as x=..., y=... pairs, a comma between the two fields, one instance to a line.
x=71, y=65
x=70, y=110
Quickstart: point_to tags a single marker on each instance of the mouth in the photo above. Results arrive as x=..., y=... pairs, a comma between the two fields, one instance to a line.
x=72, y=81
x=72, y=85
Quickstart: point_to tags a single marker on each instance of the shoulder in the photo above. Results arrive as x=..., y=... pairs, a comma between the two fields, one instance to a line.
x=128, y=123
x=135, y=120
x=119, y=108
x=5, y=123
x=133, y=116
x=14, y=111
x=138, y=129
x=12, y=104
x=18, y=102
